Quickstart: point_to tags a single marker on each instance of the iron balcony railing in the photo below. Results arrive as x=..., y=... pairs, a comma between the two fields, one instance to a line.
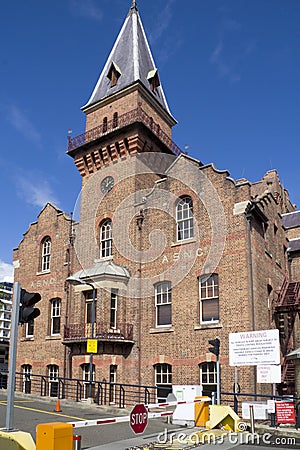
x=102, y=331
x=135, y=115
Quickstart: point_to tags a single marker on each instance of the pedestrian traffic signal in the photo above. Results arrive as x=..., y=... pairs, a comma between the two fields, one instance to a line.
x=27, y=310
x=215, y=349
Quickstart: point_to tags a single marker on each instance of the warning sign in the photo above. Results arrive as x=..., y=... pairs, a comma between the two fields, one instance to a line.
x=285, y=412
x=92, y=346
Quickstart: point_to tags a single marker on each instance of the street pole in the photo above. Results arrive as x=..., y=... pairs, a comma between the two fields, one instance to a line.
x=12, y=358
x=218, y=381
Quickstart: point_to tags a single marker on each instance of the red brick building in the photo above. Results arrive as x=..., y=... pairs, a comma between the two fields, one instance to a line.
x=175, y=252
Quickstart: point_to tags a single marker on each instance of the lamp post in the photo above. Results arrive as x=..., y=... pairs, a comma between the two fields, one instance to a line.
x=75, y=282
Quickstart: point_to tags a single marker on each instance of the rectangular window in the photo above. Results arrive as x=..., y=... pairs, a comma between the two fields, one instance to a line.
x=55, y=316
x=29, y=330
x=113, y=308
x=163, y=303
x=209, y=298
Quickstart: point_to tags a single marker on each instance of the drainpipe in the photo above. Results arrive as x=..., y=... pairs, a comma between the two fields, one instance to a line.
x=139, y=221
x=248, y=217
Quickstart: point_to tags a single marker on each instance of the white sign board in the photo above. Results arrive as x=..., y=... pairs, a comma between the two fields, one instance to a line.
x=269, y=374
x=252, y=348
x=260, y=410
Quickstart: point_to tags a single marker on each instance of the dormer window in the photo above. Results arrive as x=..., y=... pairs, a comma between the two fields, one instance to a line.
x=114, y=74
x=153, y=79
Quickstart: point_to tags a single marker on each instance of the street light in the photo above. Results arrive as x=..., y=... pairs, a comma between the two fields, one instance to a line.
x=75, y=282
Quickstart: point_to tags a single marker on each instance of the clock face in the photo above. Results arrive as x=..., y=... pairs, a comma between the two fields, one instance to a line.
x=107, y=184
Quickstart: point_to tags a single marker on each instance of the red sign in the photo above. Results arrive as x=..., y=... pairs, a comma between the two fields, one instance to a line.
x=285, y=412
x=139, y=418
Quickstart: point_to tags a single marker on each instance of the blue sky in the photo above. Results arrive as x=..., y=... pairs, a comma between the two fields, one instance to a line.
x=230, y=70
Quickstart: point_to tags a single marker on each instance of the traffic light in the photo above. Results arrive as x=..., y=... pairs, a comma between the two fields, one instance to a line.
x=28, y=311
x=215, y=349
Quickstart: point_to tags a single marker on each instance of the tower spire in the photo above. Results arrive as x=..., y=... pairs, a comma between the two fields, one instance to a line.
x=134, y=6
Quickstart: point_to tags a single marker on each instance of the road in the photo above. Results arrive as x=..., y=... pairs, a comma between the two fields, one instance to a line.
x=28, y=412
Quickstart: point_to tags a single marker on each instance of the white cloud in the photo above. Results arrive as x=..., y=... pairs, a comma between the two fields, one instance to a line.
x=86, y=8
x=36, y=191
x=6, y=272
x=19, y=120
x=225, y=68
x=162, y=25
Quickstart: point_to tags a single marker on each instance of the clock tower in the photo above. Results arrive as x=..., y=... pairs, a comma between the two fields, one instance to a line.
x=127, y=112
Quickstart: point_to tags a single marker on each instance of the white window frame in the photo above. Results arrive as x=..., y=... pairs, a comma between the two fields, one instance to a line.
x=163, y=299
x=29, y=329
x=184, y=219
x=53, y=373
x=113, y=309
x=106, y=239
x=163, y=379
x=209, y=283
x=55, y=315
x=46, y=254
x=208, y=376
x=86, y=377
x=112, y=379
x=26, y=370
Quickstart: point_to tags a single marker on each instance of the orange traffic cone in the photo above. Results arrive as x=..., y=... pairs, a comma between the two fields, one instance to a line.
x=57, y=408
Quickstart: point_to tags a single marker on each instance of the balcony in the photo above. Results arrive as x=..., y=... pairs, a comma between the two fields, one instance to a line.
x=135, y=115
x=81, y=332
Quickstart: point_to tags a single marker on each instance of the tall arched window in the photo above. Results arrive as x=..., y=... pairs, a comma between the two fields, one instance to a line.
x=53, y=370
x=184, y=219
x=208, y=377
x=163, y=381
x=45, y=254
x=26, y=381
x=106, y=238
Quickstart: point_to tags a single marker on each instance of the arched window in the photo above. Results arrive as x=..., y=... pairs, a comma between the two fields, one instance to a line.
x=163, y=303
x=208, y=377
x=115, y=120
x=45, y=254
x=209, y=298
x=163, y=381
x=53, y=380
x=106, y=239
x=55, y=316
x=184, y=219
x=88, y=388
x=26, y=385
x=104, y=125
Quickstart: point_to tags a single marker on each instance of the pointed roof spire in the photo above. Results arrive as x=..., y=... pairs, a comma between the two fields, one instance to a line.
x=130, y=61
x=133, y=6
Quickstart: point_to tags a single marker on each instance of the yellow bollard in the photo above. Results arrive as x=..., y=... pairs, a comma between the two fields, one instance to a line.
x=54, y=436
x=201, y=411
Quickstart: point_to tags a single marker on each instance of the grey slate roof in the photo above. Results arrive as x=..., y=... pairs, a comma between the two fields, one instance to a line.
x=132, y=55
x=291, y=220
x=101, y=269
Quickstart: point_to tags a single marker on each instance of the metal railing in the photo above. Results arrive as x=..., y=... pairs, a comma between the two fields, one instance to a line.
x=82, y=331
x=104, y=393
x=135, y=115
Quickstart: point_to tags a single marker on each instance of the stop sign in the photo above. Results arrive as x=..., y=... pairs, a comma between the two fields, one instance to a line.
x=139, y=418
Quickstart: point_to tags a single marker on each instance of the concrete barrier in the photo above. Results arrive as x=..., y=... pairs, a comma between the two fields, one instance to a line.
x=16, y=440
